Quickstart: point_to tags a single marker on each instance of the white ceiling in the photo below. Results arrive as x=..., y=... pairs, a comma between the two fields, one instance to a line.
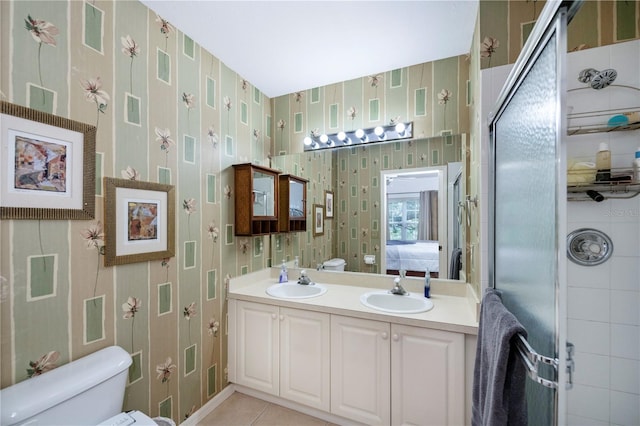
x=286, y=46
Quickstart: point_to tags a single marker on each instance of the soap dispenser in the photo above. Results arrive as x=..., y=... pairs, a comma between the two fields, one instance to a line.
x=427, y=284
x=283, y=273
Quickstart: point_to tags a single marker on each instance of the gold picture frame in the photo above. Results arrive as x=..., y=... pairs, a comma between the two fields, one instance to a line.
x=318, y=220
x=139, y=221
x=48, y=165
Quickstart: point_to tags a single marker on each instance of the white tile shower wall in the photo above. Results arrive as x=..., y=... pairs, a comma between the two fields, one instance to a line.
x=604, y=300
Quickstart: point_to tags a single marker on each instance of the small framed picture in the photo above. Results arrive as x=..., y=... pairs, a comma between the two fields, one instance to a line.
x=318, y=219
x=328, y=204
x=139, y=224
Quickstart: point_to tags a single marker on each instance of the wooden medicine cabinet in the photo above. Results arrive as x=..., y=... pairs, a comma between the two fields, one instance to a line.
x=256, y=199
x=293, y=204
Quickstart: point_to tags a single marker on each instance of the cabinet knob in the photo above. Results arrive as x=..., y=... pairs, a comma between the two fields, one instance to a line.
x=274, y=316
x=385, y=335
x=395, y=337
x=281, y=317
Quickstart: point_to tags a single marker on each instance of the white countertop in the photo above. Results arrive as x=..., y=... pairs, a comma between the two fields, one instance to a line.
x=455, y=303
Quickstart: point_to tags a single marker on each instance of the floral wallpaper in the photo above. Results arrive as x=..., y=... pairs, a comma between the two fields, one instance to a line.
x=505, y=27
x=166, y=111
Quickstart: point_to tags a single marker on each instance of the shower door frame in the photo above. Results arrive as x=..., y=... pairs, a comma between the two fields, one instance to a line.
x=554, y=19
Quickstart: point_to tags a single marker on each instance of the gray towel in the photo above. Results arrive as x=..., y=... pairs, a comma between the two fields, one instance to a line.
x=499, y=375
x=456, y=264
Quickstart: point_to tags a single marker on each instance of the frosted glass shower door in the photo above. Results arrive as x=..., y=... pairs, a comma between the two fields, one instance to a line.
x=528, y=204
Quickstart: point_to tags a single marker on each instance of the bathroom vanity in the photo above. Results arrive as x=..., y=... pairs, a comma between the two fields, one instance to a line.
x=333, y=354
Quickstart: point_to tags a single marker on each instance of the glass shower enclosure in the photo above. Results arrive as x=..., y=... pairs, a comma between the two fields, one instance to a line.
x=527, y=208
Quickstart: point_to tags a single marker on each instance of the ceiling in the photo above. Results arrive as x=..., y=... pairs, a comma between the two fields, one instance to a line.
x=286, y=46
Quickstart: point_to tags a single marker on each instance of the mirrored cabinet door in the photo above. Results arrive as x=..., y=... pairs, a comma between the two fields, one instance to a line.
x=293, y=202
x=263, y=194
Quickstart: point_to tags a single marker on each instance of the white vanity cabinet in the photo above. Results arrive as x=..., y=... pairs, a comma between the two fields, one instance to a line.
x=427, y=376
x=256, y=330
x=360, y=370
x=280, y=351
x=373, y=372
x=385, y=373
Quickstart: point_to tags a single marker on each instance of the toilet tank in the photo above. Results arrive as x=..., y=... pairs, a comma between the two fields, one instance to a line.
x=335, y=264
x=82, y=392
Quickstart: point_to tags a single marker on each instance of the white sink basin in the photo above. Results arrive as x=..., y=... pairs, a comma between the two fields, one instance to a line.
x=396, y=304
x=293, y=290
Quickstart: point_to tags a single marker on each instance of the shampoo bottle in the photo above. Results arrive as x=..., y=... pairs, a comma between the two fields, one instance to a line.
x=427, y=284
x=603, y=163
x=283, y=273
x=636, y=166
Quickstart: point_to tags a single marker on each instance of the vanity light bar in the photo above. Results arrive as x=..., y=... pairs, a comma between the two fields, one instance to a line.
x=388, y=133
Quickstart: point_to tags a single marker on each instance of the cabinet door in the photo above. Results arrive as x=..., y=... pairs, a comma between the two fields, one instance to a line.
x=257, y=344
x=427, y=376
x=304, y=357
x=263, y=194
x=360, y=357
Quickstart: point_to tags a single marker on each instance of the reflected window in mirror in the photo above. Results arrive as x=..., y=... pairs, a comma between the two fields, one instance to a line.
x=403, y=214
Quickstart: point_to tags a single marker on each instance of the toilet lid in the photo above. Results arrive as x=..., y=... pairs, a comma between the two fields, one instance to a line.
x=132, y=417
x=334, y=262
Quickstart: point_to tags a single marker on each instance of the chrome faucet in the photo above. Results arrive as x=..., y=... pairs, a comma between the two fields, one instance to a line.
x=304, y=278
x=398, y=289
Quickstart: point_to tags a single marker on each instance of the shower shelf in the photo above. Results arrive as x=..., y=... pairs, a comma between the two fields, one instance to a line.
x=606, y=190
x=601, y=117
x=585, y=130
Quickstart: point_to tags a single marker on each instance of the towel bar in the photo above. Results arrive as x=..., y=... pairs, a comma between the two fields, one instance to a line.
x=531, y=359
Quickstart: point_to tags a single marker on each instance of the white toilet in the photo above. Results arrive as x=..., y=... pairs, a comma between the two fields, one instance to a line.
x=88, y=391
x=335, y=264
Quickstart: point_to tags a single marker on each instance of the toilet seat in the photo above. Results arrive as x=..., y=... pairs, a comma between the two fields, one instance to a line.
x=132, y=417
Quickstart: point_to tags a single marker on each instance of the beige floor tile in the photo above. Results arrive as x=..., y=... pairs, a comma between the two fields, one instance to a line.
x=237, y=410
x=276, y=415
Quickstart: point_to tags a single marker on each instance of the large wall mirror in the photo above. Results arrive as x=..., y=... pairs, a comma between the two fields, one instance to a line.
x=389, y=198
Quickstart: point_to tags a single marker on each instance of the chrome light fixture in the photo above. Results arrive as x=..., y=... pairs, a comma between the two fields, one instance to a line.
x=387, y=133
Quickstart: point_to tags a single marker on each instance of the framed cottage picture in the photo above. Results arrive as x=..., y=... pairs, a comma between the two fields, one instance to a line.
x=139, y=221
x=47, y=164
x=318, y=220
x=328, y=204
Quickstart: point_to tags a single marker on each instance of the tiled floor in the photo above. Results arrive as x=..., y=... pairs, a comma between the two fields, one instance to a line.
x=243, y=410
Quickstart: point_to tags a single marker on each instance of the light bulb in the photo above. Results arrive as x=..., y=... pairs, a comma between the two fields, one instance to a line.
x=361, y=135
x=400, y=128
x=324, y=138
x=379, y=131
x=342, y=137
x=307, y=141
